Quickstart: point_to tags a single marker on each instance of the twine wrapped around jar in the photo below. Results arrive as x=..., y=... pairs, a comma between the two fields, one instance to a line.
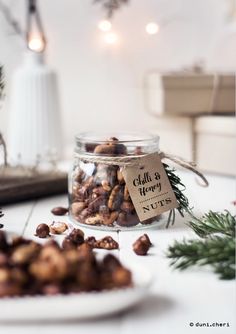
x=134, y=160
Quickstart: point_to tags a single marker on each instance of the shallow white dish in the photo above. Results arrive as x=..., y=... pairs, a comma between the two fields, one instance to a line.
x=76, y=306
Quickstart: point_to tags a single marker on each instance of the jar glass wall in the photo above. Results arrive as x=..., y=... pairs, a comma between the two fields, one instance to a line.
x=98, y=195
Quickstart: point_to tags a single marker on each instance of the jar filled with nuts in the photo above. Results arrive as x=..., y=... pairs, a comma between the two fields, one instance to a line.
x=98, y=195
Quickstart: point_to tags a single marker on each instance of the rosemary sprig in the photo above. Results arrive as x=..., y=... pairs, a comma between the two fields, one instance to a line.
x=178, y=188
x=217, y=251
x=214, y=222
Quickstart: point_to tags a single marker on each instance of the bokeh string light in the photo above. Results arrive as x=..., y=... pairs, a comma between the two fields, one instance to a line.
x=105, y=25
x=152, y=28
x=111, y=38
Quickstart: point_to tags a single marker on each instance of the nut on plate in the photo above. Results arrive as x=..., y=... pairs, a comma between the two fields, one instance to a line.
x=29, y=268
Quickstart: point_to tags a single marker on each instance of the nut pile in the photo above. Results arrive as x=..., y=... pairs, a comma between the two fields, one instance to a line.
x=103, y=197
x=29, y=268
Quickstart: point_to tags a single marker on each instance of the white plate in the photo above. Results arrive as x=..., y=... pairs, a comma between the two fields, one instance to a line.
x=76, y=306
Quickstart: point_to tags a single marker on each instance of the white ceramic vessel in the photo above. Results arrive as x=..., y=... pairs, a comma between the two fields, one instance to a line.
x=34, y=129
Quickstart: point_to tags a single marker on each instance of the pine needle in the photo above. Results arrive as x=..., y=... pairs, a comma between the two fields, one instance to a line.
x=217, y=248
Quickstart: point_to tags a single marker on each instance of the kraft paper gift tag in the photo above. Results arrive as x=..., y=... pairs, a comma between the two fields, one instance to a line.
x=149, y=187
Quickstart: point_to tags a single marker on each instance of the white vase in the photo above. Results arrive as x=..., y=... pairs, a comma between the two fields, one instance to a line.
x=34, y=129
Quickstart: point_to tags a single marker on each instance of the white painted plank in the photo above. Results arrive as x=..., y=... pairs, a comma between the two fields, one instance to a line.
x=16, y=216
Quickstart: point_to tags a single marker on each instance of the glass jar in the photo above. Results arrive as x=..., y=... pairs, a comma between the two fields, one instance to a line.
x=98, y=195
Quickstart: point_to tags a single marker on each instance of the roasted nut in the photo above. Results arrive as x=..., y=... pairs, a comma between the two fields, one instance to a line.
x=67, y=243
x=119, y=149
x=115, y=198
x=100, y=191
x=127, y=219
x=145, y=238
x=3, y=241
x=95, y=204
x=89, y=147
x=84, y=215
x=120, y=177
x=42, y=231
x=9, y=289
x=126, y=193
x=58, y=227
x=94, y=220
x=76, y=236
x=122, y=277
x=18, y=240
x=91, y=241
x=105, y=185
x=74, y=239
x=80, y=176
x=111, y=219
x=110, y=262
x=25, y=253
x=3, y=260
x=104, y=211
x=59, y=211
x=141, y=246
x=49, y=271
x=51, y=289
x=107, y=243
x=127, y=206
x=105, y=149
x=5, y=275
x=138, y=150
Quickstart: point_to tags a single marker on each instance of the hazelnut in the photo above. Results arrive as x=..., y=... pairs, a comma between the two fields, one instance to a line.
x=59, y=211
x=145, y=238
x=127, y=219
x=141, y=247
x=42, y=231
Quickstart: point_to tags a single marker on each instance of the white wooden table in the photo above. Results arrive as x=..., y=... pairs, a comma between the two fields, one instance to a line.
x=176, y=298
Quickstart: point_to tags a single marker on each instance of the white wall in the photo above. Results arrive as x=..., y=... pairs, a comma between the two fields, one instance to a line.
x=101, y=86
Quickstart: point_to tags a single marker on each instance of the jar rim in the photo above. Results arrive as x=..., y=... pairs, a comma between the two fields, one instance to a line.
x=124, y=137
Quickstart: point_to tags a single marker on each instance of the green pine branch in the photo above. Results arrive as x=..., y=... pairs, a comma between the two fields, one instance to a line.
x=214, y=222
x=178, y=188
x=217, y=248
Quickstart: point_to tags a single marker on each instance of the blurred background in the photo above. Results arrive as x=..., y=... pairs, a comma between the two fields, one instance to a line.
x=123, y=78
